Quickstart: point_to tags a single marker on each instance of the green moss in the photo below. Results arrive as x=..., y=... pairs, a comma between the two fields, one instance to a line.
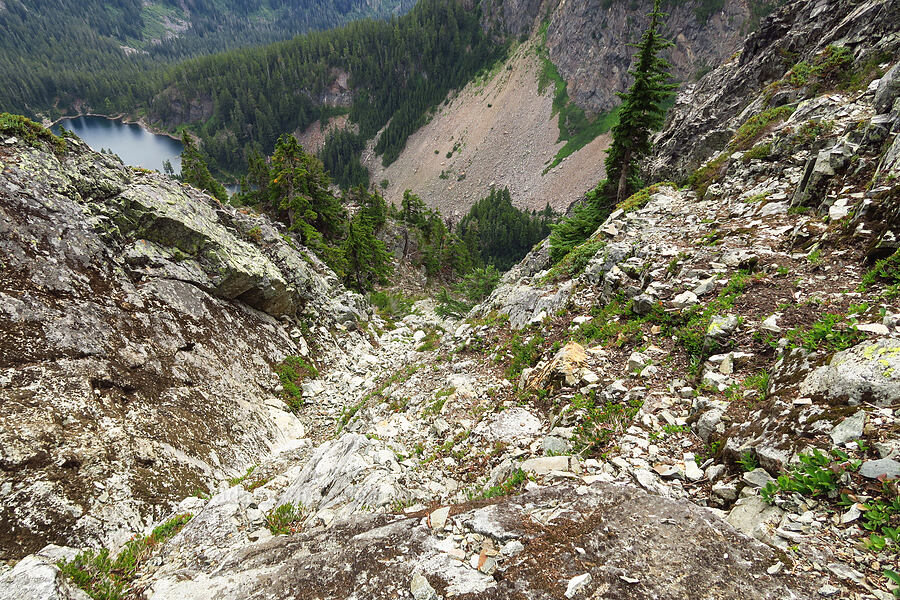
x=757, y=152
x=757, y=125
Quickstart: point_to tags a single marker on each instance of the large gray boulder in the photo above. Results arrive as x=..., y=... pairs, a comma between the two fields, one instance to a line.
x=868, y=372
x=634, y=545
x=888, y=90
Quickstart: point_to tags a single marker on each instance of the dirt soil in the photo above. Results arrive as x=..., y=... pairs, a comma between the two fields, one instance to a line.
x=501, y=131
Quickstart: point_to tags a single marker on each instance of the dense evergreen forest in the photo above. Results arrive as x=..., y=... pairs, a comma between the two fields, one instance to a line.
x=55, y=53
x=502, y=233
x=398, y=70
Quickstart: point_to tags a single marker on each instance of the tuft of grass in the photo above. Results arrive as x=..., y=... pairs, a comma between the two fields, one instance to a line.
x=757, y=126
x=285, y=519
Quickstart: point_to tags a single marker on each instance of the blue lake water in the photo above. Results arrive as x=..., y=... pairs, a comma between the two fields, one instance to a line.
x=134, y=144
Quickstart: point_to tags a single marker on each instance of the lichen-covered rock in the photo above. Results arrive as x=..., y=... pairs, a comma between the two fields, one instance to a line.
x=38, y=577
x=141, y=323
x=344, y=477
x=707, y=113
x=868, y=372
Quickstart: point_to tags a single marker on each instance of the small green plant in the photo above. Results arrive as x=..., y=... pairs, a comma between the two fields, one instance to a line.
x=816, y=474
x=748, y=461
x=524, y=354
x=285, y=519
x=392, y=305
x=814, y=257
x=431, y=341
x=439, y=399
x=759, y=382
x=886, y=271
x=292, y=371
x=894, y=578
x=239, y=480
x=603, y=423
x=103, y=578
x=510, y=485
x=830, y=333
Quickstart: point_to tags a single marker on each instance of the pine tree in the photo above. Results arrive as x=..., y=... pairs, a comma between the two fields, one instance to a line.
x=367, y=258
x=641, y=112
x=195, y=172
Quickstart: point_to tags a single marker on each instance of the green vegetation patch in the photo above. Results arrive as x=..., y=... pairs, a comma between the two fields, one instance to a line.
x=603, y=422
x=105, y=578
x=575, y=128
x=757, y=126
x=30, y=132
x=285, y=519
x=510, y=485
x=292, y=371
x=831, y=333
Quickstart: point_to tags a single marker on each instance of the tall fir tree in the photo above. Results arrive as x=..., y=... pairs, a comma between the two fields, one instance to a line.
x=367, y=258
x=195, y=172
x=642, y=112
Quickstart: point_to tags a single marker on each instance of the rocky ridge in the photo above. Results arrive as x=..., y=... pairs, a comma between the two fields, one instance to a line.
x=611, y=426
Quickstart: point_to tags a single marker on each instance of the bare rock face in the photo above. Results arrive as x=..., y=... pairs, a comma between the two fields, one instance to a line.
x=633, y=544
x=588, y=39
x=141, y=322
x=588, y=42
x=707, y=114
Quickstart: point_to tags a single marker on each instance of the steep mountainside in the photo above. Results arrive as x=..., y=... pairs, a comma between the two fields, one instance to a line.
x=499, y=131
x=503, y=130
x=700, y=401
x=110, y=43
x=588, y=39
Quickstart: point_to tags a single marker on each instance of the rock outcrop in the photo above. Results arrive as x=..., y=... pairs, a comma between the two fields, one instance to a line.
x=141, y=323
x=707, y=113
x=588, y=39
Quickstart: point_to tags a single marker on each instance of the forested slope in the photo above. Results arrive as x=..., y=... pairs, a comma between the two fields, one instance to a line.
x=377, y=71
x=57, y=53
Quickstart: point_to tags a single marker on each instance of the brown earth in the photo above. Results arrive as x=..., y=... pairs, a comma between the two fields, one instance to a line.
x=501, y=131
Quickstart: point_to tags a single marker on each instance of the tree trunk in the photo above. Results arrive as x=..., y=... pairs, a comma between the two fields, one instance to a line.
x=623, y=178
